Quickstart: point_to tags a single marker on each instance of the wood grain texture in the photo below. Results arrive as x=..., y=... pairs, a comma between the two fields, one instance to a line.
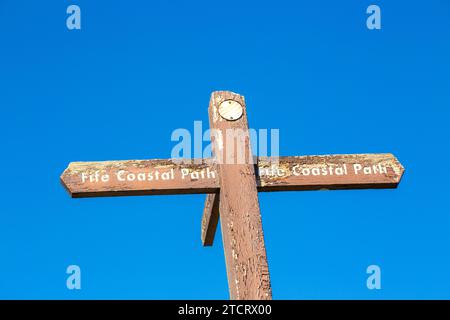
x=210, y=219
x=240, y=218
x=348, y=171
x=72, y=180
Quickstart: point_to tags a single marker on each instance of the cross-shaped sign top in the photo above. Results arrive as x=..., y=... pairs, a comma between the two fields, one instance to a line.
x=232, y=187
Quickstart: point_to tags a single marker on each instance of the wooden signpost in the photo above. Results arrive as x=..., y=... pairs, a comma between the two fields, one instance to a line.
x=231, y=181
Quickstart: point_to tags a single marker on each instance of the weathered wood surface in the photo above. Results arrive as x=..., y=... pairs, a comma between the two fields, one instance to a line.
x=72, y=176
x=168, y=177
x=350, y=171
x=240, y=218
x=210, y=219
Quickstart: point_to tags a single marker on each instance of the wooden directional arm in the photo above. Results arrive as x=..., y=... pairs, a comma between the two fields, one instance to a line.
x=210, y=219
x=285, y=175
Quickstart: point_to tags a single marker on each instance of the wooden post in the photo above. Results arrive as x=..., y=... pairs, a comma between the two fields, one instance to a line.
x=242, y=233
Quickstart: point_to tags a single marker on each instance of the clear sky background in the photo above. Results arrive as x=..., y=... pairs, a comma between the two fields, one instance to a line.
x=137, y=70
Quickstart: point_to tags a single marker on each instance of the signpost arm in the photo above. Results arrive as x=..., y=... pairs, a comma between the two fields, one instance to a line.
x=86, y=179
x=210, y=219
x=242, y=233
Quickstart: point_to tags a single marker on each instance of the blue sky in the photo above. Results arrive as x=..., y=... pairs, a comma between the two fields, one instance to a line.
x=137, y=70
